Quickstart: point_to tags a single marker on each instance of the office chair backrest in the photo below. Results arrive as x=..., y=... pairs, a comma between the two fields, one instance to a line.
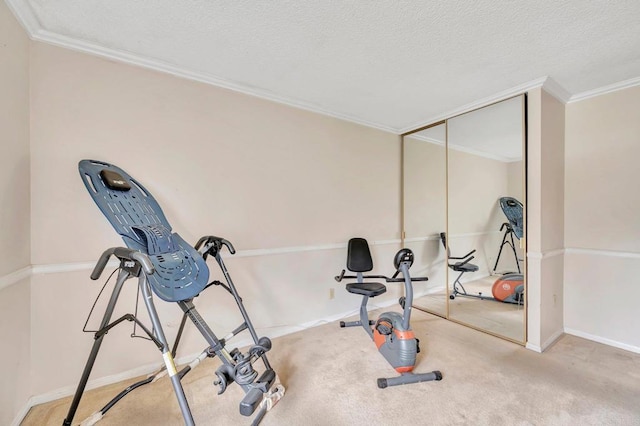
x=358, y=255
x=443, y=238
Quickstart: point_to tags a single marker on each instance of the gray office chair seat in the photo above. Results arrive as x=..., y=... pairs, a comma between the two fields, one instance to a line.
x=367, y=289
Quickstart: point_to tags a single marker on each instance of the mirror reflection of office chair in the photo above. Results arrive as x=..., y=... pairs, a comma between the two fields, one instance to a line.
x=463, y=266
x=512, y=209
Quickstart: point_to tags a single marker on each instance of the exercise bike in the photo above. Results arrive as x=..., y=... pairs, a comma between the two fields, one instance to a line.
x=391, y=332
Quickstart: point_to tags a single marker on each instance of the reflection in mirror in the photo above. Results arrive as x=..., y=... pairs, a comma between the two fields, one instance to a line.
x=424, y=198
x=485, y=218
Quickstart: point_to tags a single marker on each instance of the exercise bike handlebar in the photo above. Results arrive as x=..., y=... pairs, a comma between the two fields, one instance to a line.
x=342, y=276
x=393, y=279
x=122, y=253
x=401, y=280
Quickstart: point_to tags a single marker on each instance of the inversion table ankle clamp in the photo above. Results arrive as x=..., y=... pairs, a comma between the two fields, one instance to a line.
x=175, y=271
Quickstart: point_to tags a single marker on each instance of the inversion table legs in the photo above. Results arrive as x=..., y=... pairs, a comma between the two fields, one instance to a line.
x=157, y=336
x=236, y=366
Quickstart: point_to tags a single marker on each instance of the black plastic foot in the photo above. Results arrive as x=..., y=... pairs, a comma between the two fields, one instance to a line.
x=382, y=383
x=342, y=324
x=438, y=375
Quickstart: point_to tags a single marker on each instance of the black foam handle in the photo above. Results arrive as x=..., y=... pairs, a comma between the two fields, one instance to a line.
x=217, y=241
x=101, y=264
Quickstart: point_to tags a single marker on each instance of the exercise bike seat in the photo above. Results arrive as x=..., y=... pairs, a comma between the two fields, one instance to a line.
x=464, y=267
x=359, y=260
x=180, y=271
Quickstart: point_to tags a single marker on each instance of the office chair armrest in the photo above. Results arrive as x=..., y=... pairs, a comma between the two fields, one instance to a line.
x=463, y=257
x=464, y=262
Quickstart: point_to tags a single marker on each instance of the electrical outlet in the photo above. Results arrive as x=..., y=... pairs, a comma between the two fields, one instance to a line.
x=332, y=293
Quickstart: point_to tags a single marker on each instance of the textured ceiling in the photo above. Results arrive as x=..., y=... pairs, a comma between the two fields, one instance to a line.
x=390, y=64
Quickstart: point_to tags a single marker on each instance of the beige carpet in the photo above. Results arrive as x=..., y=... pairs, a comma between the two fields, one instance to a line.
x=504, y=319
x=330, y=375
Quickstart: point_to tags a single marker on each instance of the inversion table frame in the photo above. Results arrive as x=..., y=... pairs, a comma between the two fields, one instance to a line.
x=176, y=272
x=512, y=209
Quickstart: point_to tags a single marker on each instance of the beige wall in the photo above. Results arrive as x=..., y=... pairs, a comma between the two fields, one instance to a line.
x=601, y=218
x=475, y=186
x=552, y=231
x=545, y=220
x=14, y=217
x=263, y=175
x=269, y=177
x=424, y=187
x=14, y=139
x=552, y=173
x=516, y=186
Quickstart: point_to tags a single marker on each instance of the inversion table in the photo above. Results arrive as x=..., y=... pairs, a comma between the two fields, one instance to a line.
x=168, y=267
x=512, y=209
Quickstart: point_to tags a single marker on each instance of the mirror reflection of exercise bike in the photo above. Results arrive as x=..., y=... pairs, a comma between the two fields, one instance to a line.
x=391, y=332
x=509, y=288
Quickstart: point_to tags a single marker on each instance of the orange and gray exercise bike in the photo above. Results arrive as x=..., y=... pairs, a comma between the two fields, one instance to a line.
x=171, y=269
x=391, y=332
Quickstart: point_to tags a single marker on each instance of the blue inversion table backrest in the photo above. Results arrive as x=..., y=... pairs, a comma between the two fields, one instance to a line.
x=512, y=209
x=180, y=271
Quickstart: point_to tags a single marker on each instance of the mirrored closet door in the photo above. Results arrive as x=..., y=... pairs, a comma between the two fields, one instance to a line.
x=463, y=193
x=424, y=206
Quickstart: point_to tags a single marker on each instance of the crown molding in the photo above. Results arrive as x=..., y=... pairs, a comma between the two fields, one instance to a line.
x=24, y=14
x=626, y=84
x=93, y=49
x=28, y=19
x=425, y=139
x=500, y=96
x=465, y=149
x=483, y=154
x=556, y=90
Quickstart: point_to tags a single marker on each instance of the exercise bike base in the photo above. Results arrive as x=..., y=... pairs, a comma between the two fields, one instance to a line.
x=409, y=378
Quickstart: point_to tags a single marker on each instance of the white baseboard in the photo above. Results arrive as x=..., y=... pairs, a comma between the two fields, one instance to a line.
x=533, y=347
x=602, y=340
x=555, y=336
x=22, y=413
